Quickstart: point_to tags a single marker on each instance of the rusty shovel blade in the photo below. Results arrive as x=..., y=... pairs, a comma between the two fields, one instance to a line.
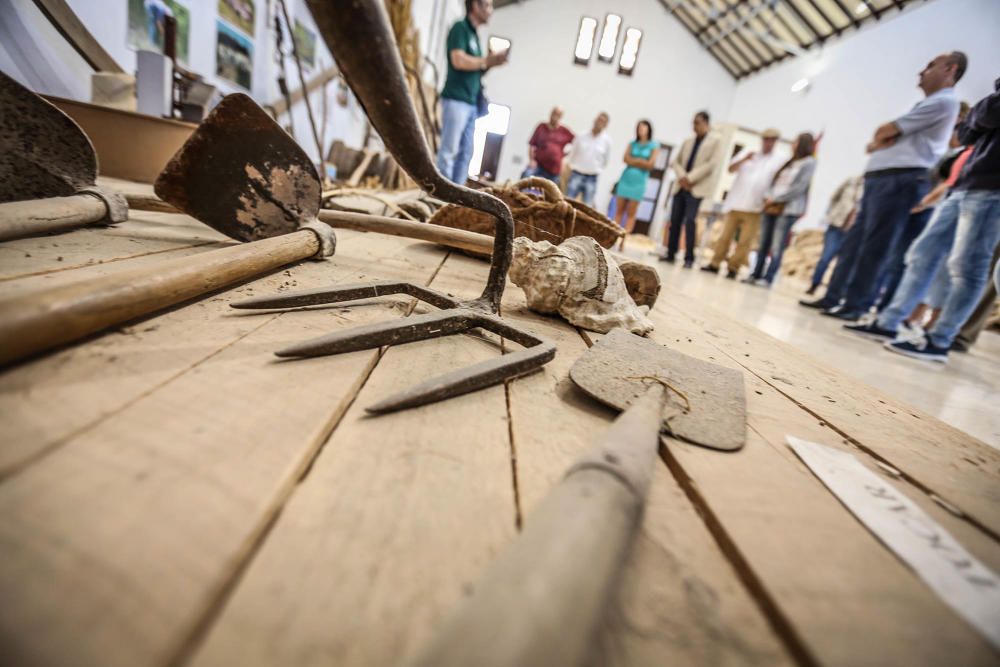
x=43, y=152
x=243, y=175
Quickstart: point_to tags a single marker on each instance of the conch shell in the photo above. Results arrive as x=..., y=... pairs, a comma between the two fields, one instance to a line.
x=578, y=280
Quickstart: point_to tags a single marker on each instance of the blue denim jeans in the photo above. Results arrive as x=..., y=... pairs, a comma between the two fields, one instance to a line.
x=965, y=229
x=833, y=238
x=583, y=186
x=458, y=127
x=538, y=172
x=881, y=220
x=773, y=230
x=937, y=294
x=683, y=211
x=892, y=269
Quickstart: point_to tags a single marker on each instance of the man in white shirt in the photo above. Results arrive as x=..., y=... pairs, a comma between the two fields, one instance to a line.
x=744, y=203
x=896, y=179
x=587, y=157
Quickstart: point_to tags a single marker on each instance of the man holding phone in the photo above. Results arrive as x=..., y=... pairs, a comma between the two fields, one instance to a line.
x=463, y=89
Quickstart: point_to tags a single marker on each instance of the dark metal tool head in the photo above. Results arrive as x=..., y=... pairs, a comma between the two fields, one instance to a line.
x=454, y=318
x=705, y=402
x=241, y=174
x=43, y=152
x=361, y=40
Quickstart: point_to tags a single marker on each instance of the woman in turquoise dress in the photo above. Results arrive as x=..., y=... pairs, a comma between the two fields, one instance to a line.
x=640, y=156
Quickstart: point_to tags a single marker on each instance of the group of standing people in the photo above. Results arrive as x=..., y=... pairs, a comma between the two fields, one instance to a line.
x=901, y=247
x=953, y=251
x=769, y=195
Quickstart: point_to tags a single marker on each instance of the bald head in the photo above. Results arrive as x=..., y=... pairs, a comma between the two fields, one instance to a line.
x=555, y=116
x=943, y=72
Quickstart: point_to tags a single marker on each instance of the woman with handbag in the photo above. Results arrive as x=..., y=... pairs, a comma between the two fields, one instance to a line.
x=640, y=156
x=784, y=204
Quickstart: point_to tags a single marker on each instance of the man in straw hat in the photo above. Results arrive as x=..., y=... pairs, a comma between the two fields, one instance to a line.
x=743, y=205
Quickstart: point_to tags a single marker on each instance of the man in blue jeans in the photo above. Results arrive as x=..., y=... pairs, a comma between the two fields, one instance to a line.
x=462, y=87
x=895, y=181
x=839, y=219
x=588, y=156
x=965, y=229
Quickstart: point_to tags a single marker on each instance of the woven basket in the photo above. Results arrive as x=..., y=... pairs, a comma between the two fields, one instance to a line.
x=546, y=217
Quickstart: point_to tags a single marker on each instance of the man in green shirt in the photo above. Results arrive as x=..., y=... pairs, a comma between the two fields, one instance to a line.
x=466, y=64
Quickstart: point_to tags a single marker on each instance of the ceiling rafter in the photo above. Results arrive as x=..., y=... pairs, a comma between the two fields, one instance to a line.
x=714, y=21
x=848, y=13
x=804, y=21
x=787, y=27
x=836, y=28
x=746, y=36
x=680, y=11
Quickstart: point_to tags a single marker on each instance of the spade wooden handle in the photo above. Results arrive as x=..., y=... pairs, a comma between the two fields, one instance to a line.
x=44, y=216
x=543, y=599
x=38, y=321
x=363, y=222
x=446, y=236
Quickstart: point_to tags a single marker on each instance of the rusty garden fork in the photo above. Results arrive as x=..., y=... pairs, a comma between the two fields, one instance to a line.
x=358, y=35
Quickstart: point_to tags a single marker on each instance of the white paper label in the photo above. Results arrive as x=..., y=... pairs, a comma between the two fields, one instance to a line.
x=964, y=583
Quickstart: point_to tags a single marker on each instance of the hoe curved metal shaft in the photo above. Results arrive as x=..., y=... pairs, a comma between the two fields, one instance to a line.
x=359, y=36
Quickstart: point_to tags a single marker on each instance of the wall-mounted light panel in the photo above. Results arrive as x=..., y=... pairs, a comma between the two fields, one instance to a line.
x=585, y=41
x=630, y=51
x=609, y=38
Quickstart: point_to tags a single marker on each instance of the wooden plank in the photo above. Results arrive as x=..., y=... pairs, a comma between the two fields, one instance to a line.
x=115, y=546
x=396, y=518
x=933, y=455
x=92, y=382
x=281, y=105
x=62, y=18
x=681, y=602
x=836, y=594
x=144, y=233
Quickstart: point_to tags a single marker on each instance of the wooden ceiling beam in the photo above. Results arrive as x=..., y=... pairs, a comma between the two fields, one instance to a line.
x=805, y=22
x=715, y=21
x=819, y=10
x=687, y=21
x=848, y=13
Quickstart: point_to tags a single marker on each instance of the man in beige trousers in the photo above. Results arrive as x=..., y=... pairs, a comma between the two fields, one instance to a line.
x=695, y=164
x=754, y=172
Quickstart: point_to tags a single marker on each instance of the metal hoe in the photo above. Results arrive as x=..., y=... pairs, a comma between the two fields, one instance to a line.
x=47, y=169
x=360, y=39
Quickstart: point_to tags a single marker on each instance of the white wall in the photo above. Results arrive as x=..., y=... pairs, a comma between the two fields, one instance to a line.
x=867, y=78
x=674, y=77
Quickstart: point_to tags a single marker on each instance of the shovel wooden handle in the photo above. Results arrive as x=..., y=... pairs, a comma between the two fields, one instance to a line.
x=542, y=601
x=41, y=320
x=363, y=222
x=44, y=216
x=446, y=236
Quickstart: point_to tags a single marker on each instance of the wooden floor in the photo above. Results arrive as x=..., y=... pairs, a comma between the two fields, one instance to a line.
x=171, y=494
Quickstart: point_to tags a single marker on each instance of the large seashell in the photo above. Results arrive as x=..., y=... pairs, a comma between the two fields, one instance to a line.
x=578, y=280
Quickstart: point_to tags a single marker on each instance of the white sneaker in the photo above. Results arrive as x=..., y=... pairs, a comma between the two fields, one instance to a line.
x=910, y=332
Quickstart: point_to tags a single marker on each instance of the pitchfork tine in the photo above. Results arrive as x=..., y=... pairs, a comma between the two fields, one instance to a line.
x=472, y=378
x=392, y=332
x=327, y=295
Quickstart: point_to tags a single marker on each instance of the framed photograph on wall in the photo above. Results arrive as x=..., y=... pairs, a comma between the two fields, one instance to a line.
x=233, y=56
x=239, y=13
x=305, y=43
x=146, y=26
